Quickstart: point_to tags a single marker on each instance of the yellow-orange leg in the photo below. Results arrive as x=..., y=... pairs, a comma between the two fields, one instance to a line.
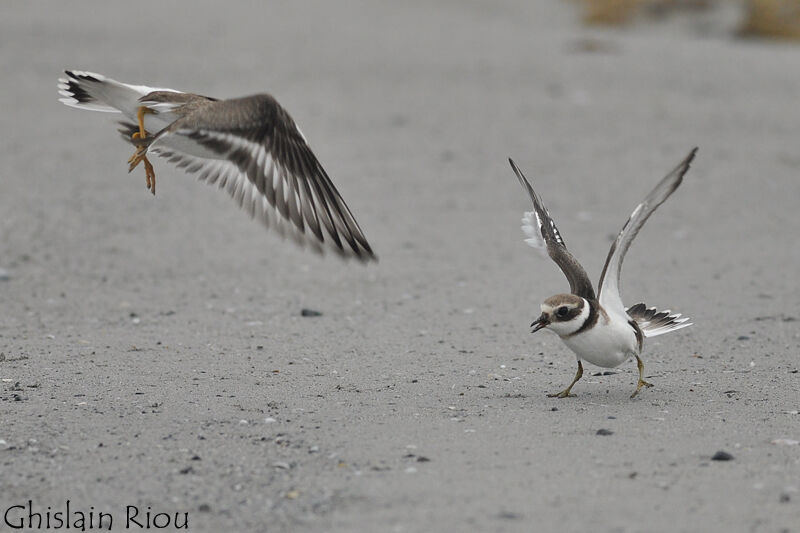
x=565, y=393
x=140, y=155
x=642, y=382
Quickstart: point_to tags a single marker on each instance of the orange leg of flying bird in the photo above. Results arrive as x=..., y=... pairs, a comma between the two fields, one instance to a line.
x=140, y=155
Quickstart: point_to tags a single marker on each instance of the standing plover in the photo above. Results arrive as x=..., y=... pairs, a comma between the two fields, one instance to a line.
x=249, y=146
x=599, y=329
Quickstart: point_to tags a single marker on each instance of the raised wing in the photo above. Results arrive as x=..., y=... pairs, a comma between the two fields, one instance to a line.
x=608, y=288
x=545, y=234
x=252, y=148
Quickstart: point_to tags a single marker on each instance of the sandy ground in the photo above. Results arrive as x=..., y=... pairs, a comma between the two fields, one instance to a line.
x=153, y=351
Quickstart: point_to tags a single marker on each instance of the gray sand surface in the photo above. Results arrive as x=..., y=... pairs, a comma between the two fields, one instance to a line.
x=153, y=350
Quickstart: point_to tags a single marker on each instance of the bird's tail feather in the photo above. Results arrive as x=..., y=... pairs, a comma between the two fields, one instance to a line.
x=653, y=322
x=95, y=92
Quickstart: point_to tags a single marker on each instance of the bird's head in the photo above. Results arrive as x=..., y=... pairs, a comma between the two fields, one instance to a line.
x=563, y=314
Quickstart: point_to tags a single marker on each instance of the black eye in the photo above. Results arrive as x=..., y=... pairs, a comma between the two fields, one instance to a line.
x=562, y=311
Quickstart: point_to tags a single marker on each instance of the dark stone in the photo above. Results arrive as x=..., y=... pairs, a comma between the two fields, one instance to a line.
x=310, y=312
x=722, y=456
x=604, y=432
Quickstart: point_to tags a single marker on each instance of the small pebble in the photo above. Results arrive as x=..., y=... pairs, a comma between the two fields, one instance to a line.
x=722, y=456
x=310, y=312
x=604, y=432
x=785, y=498
x=743, y=338
x=204, y=508
x=554, y=408
x=4, y=275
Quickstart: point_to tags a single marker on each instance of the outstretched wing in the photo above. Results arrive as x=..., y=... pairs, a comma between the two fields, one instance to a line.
x=546, y=235
x=608, y=288
x=653, y=322
x=252, y=148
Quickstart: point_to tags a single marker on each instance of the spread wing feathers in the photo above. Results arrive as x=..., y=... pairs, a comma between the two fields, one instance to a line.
x=654, y=323
x=95, y=92
x=545, y=234
x=533, y=235
x=274, y=177
x=608, y=288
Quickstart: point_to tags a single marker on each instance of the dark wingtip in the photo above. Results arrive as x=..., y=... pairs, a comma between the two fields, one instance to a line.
x=366, y=256
x=683, y=168
x=690, y=157
x=520, y=176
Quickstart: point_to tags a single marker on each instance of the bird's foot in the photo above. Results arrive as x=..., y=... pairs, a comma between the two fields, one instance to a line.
x=565, y=393
x=642, y=383
x=140, y=156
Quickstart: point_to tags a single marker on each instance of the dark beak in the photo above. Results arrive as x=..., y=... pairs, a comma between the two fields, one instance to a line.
x=540, y=323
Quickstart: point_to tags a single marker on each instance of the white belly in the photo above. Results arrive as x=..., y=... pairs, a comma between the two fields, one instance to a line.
x=607, y=344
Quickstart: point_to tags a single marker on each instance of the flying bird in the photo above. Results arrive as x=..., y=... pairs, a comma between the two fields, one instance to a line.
x=599, y=328
x=248, y=146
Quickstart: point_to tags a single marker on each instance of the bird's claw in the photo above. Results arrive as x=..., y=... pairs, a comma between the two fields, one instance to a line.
x=642, y=383
x=563, y=394
x=140, y=156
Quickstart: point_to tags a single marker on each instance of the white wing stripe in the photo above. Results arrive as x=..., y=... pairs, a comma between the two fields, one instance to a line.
x=228, y=176
x=531, y=227
x=248, y=170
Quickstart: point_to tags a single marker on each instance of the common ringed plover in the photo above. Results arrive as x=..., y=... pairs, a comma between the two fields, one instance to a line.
x=599, y=329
